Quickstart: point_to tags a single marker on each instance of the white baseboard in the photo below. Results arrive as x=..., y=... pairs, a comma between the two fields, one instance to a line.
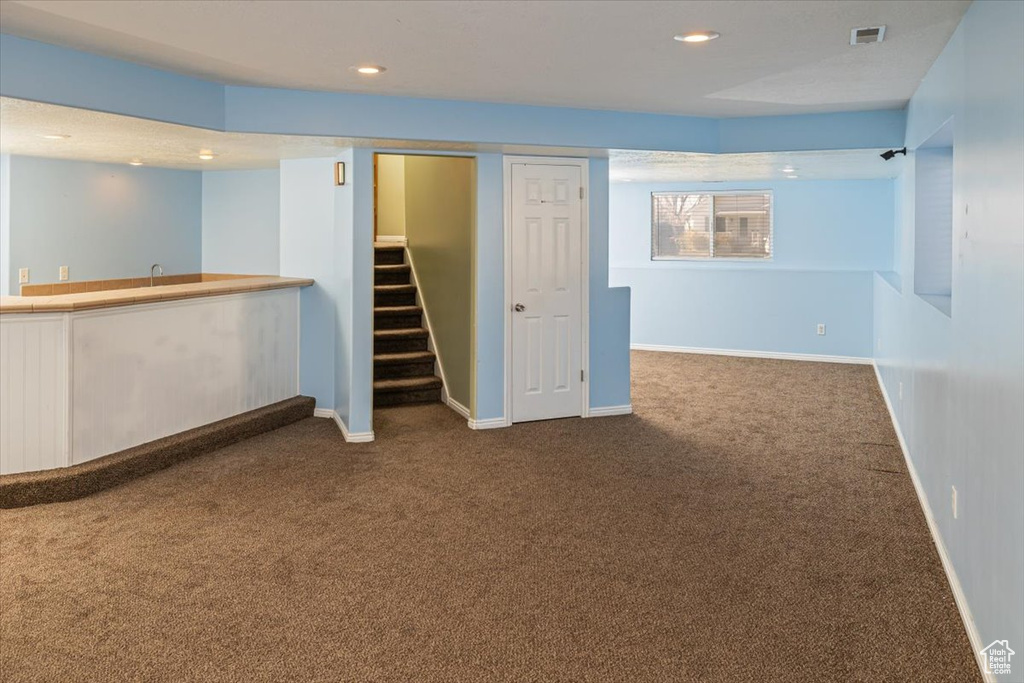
x=350, y=437
x=395, y=239
x=777, y=355
x=947, y=565
x=458, y=407
x=605, y=411
x=492, y=423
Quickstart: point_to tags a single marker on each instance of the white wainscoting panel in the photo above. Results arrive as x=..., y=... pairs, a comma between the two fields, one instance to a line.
x=145, y=372
x=33, y=398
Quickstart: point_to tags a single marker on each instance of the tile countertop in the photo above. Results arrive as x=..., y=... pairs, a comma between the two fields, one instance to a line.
x=145, y=295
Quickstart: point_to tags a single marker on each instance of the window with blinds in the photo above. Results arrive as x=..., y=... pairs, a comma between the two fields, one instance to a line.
x=706, y=225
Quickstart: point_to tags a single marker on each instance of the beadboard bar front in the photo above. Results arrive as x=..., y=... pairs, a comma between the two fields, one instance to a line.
x=78, y=385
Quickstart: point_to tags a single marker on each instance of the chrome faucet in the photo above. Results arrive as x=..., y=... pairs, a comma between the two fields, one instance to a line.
x=156, y=267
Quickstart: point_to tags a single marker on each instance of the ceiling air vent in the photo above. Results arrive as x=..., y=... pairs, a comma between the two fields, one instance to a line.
x=870, y=34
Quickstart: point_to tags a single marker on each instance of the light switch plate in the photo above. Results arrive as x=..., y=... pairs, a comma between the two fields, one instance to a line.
x=63, y=273
x=23, y=276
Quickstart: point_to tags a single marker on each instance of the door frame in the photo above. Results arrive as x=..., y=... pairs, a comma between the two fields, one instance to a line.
x=583, y=164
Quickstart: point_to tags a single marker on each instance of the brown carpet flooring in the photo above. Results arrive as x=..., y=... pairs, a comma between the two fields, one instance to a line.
x=751, y=522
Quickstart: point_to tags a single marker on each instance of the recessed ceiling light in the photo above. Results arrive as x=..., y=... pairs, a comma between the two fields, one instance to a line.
x=135, y=162
x=55, y=136
x=627, y=180
x=369, y=69
x=697, y=36
x=205, y=154
x=792, y=175
x=788, y=169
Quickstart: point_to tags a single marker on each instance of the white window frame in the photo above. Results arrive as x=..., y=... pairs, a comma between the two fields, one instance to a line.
x=711, y=258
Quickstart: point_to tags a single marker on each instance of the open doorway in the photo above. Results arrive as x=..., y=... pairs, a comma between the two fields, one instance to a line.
x=424, y=233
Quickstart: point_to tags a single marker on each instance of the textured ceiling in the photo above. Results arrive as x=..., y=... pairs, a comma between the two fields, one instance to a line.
x=773, y=57
x=665, y=167
x=111, y=138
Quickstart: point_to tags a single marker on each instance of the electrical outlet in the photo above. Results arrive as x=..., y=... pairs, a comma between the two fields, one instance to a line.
x=901, y=391
x=63, y=273
x=955, y=513
x=23, y=276
x=821, y=329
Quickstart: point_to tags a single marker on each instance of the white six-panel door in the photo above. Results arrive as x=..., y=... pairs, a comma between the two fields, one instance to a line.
x=547, y=315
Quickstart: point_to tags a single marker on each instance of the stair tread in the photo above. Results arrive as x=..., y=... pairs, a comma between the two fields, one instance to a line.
x=396, y=310
x=404, y=357
x=394, y=289
x=392, y=267
x=407, y=383
x=401, y=333
x=388, y=246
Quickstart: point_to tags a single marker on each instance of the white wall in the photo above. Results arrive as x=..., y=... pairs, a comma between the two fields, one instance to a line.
x=961, y=407
x=241, y=219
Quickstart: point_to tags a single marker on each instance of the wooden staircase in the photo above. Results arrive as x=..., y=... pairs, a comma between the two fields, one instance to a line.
x=403, y=366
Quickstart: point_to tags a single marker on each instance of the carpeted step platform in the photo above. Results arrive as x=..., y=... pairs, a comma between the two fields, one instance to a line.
x=405, y=391
x=399, y=341
x=78, y=481
x=392, y=274
x=394, y=295
x=410, y=364
x=397, y=318
x=388, y=254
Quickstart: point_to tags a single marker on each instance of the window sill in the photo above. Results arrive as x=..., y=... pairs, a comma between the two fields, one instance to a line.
x=698, y=259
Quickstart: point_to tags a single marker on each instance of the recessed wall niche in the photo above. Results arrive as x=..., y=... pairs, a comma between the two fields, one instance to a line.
x=933, y=219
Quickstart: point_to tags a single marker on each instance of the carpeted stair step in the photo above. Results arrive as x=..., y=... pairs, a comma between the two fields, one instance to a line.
x=395, y=392
x=399, y=341
x=398, y=365
x=397, y=317
x=391, y=274
x=388, y=254
x=394, y=295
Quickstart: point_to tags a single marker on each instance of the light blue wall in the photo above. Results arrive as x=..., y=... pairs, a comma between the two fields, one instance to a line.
x=829, y=238
x=327, y=235
x=489, y=334
x=241, y=217
x=36, y=71
x=353, y=292
x=102, y=220
x=962, y=406
x=45, y=73
x=308, y=250
x=609, y=308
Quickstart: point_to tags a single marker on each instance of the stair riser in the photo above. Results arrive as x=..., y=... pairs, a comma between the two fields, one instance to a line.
x=399, y=345
x=391, y=278
x=397, y=322
x=392, y=299
x=398, y=398
x=400, y=370
x=388, y=257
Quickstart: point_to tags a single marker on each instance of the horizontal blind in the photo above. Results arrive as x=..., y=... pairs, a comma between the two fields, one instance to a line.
x=681, y=225
x=688, y=225
x=743, y=227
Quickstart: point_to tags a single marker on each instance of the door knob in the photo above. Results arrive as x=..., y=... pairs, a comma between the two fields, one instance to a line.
x=519, y=308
